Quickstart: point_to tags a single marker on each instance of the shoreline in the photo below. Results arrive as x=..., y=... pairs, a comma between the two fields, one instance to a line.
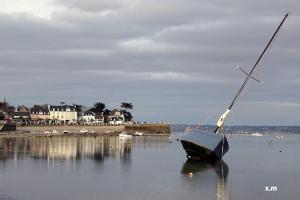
x=74, y=130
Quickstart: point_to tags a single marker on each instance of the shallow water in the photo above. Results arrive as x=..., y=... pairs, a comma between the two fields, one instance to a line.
x=146, y=167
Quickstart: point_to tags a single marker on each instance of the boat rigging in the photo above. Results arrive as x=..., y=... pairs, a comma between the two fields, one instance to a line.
x=212, y=145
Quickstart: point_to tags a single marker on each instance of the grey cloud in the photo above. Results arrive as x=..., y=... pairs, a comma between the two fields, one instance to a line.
x=91, y=5
x=175, y=60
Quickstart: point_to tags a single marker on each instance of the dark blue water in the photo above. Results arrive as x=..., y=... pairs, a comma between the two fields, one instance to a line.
x=107, y=168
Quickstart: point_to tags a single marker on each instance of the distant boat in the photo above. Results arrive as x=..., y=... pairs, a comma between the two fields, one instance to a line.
x=51, y=132
x=257, y=134
x=205, y=145
x=124, y=135
x=108, y=132
x=138, y=133
x=65, y=131
x=83, y=131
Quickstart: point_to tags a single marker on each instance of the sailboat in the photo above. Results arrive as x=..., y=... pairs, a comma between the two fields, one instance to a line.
x=205, y=145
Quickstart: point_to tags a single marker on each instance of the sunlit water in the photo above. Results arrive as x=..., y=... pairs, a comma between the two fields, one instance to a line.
x=41, y=168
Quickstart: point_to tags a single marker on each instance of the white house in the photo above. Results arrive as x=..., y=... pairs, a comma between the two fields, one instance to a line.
x=66, y=114
x=99, y=118
x=116, y=117
x=88, y=117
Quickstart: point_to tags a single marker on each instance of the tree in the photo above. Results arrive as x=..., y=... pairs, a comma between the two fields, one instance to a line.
x=127, y=114
x=78, y=107
x=3, y=105
x=2, y=117
x=22, y=108
x=126, y=106
x=98, y=107
x=37, y=107
x=105, y=115
x=62, y=103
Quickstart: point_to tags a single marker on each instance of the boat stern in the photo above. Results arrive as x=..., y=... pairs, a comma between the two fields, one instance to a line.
x=204, y=145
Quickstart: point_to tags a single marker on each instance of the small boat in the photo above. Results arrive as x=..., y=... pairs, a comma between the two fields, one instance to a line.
x=51, y=132
x=138, y=133
x=124, y=135
x=257, y=134
x=65, y=131
x=83, y=131
x=108, y=132
x=211, y=145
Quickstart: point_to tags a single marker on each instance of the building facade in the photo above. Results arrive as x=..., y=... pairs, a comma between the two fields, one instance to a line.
x=39, y=113
x=116, y=117
x=63, y=114
x=88, y=117
x=99, y=118
x=22, y=117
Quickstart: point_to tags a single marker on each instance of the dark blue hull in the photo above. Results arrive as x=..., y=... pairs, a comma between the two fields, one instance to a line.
x=204, y=145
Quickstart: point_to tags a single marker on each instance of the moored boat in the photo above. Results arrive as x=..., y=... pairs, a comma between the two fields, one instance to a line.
x=137, y=133
x=213, y=145
x=125, y=135
x=83, y=131
x=257, y=134
x=204, y=145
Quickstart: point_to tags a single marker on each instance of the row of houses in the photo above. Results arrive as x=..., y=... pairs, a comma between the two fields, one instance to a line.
x=66, y=114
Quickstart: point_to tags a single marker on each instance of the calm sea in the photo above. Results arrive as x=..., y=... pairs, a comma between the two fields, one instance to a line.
x=88, y=168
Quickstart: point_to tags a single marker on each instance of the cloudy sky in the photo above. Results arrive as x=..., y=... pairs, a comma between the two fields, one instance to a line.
x=175, y=60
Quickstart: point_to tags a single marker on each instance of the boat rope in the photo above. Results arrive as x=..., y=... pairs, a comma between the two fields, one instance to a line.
x=212, y=114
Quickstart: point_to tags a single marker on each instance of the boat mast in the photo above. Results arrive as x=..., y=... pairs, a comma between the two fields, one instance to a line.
x=221, y=120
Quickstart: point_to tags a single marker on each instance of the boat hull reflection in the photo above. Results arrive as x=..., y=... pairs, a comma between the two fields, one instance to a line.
x=205, y=174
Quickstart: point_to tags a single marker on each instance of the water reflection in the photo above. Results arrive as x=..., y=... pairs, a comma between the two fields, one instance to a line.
x=74, y=148
x=151, y=142
x=205, y=175
x=65, y=148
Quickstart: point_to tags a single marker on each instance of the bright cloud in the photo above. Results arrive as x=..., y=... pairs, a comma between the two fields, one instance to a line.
x=38, y=8
x=140, y=45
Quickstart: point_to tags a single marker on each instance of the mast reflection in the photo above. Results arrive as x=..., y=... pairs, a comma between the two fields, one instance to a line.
x=204, y=174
